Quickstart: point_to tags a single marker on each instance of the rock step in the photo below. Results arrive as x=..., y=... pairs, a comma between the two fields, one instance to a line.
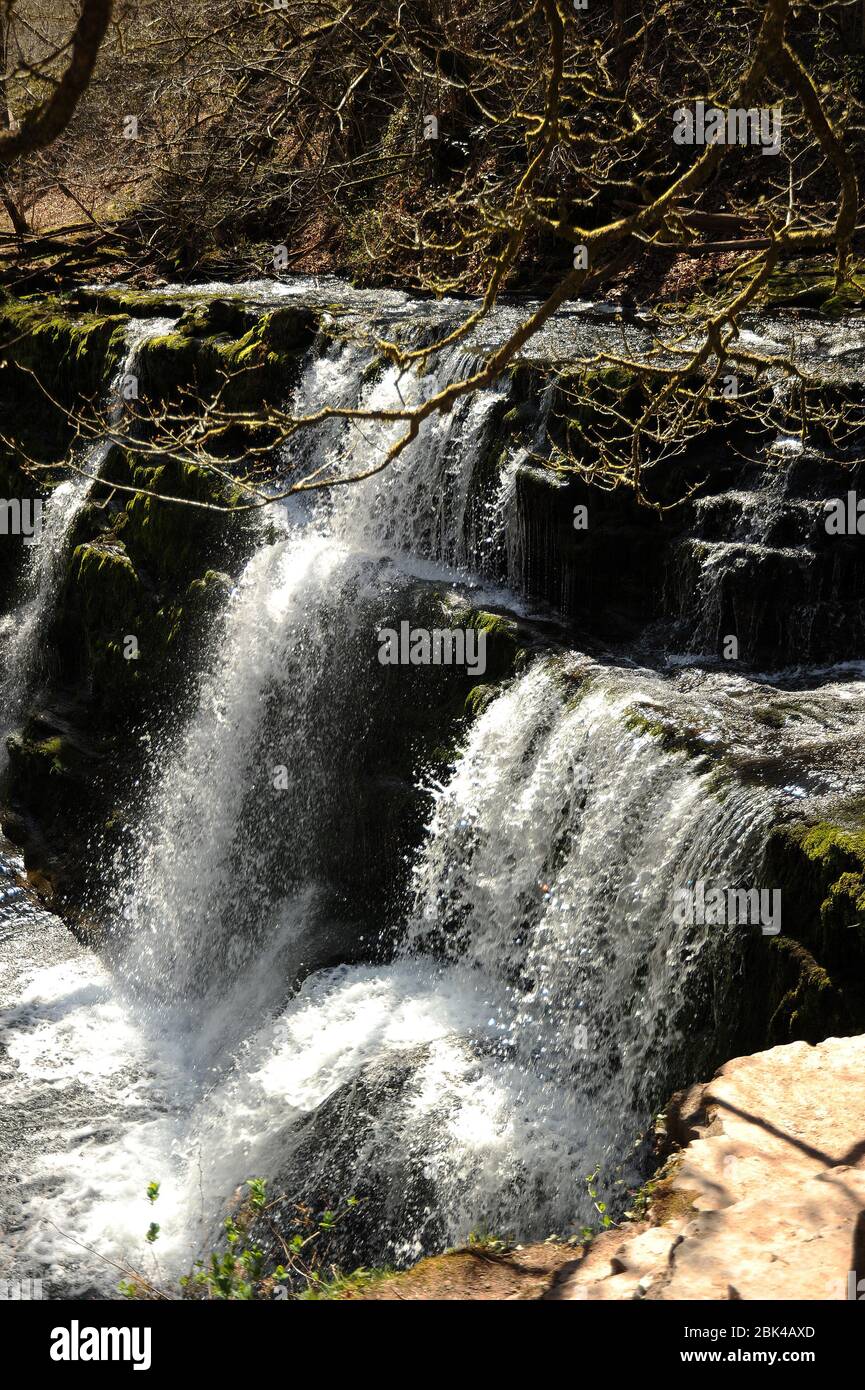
x=767, y=1193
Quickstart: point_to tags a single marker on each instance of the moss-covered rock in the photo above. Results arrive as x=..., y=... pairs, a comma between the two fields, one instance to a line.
x=71, y=354
x=54, y=359
x=501, y=639
x=136, y=591
x=202, y=358
x=674, y=735
x=47, y=798
x=806, y=284
x=809, y=1006
x=825, y=863
x=170, y=539
x=139, y=304
x=816, y=977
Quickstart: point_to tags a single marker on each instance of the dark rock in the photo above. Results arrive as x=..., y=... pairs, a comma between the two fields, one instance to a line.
x=355, y=1145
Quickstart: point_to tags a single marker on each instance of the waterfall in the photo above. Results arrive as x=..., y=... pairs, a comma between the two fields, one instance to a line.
x=551, y=865
x=220, y=914
x=541, y=984
x=544, y=990
x=294, y=686
x=21, y=628
x=754, y=564
x=532, y=995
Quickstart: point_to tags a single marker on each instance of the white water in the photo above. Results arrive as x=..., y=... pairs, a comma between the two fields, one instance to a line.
x=541, y=907
x=561, y=888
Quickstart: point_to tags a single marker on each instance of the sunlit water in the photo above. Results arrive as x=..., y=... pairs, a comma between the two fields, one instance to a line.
x=542, y=991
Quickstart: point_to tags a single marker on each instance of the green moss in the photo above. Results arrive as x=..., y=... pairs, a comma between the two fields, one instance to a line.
x=250, y=368
x=820, y=870
x=840, y=856
x=809, y=1007
x=140, y=304
x=171, y=361
x=171, y=540
x=673, y=738
x=106, y=578
x=811, y=285
x=846, y=300
x=107, y=601
x=501, y=638
x=825, y=842
x=53, y=360
x=268, y=356
x=150, y=574
x=50, y=752
x=71, y=354
x=43, y=761
x=478, y=698
x=590, y=398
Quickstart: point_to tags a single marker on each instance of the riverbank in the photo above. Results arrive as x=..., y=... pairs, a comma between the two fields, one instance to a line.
x=760, y=1199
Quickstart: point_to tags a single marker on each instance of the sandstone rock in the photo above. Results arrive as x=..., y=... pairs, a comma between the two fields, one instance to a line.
x=773, y=1185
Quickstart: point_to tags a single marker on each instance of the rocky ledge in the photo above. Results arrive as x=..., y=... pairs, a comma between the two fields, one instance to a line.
x=761, y=1196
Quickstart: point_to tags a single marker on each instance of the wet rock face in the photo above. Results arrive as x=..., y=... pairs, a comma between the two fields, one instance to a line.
x=753, y=561
x=353, y=1145
x=607, y=579
x=757, y=562
x=735, y=543
x=816, y=971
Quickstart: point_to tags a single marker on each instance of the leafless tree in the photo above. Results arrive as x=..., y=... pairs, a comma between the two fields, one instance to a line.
x=552, y=165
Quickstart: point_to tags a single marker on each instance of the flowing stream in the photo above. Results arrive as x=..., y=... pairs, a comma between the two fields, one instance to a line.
x=539, y=995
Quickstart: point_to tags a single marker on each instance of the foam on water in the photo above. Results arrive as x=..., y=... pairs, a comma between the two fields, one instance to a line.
x=541, y=994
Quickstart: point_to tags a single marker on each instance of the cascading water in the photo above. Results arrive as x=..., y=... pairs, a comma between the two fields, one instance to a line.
x=284, y=693
x=224, y=906
x=756, y=561
x=470, y=1068
x=21, y=627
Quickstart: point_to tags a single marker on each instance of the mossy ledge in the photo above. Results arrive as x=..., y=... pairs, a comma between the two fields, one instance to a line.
x=70, y=351
x=213, y=350
x=815, y=970
x=133, y=614
x=54, y=359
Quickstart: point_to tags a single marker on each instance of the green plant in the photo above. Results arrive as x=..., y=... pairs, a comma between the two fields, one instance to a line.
x=484, y=1241
x=600, y=1207
x=238, y=1273
x=641, y=1200
x=343, y=1286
